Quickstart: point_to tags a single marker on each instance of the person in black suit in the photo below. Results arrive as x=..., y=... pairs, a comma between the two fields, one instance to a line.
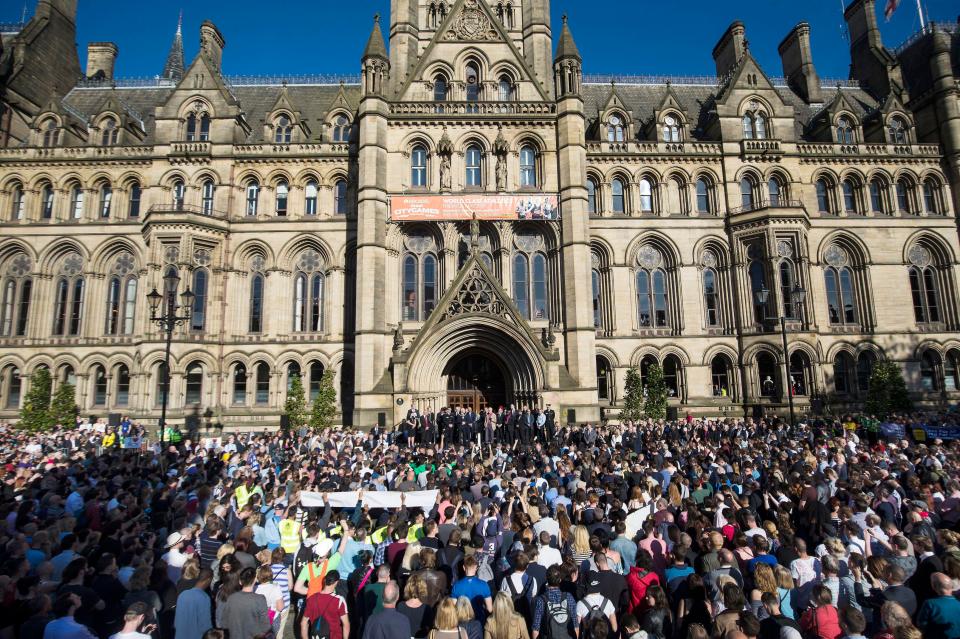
x=526, y=426
x=510, y=420
x=466, y=427
x=430, y=429
x=551, y=424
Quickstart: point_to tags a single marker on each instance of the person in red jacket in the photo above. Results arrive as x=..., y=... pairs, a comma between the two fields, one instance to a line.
x=641, y=577
x=821, y=619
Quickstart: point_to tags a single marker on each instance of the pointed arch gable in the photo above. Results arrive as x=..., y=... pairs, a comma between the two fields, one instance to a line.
x=720, y=349
x=64, y=246
x=108, y=250
x=287, y=256
x=849, y=242
x=667, y=247
x=936, y=244
x=248, y=249
x=641, y=352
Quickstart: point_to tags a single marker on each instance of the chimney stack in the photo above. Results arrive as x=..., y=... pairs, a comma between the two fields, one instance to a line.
x=101, y=57
x=797, y=58
x=730, y=48
x=212, y=43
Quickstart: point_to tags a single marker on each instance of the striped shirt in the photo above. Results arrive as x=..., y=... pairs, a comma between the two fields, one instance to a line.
x=280, y=579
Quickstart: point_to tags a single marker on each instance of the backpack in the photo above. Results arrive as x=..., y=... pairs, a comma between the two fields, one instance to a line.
x=521, y=598
x=556, y=620
x=595, y=612
x=320, y=629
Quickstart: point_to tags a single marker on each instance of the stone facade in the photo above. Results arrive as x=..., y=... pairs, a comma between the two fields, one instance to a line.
x=682, y=205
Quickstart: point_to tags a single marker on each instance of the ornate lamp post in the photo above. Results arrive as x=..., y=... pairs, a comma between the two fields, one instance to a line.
x=163, y=311
x=797, y=296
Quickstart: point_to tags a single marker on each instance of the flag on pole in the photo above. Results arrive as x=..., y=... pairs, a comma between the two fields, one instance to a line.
x=890, y=8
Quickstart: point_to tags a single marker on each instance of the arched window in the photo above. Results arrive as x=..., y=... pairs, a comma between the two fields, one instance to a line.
x=204, y=127
x=877, y=195
x=720, y=375
x=262, y=385
x=505, y=89
x=849, y=196
x=521, y=279
x=110, y=133
x=440, y=88
x=842, y=377
x=597, y=311
x=239, y=384
x=160, y=390
x=651, y=298
x=199, y=315
x=774, y=191
x=252, y=197
x=747, y=127
x=539, y=288
x=283, y=192
x=591, y=196
x=106, y=200
x=47, y=195
x=758, y=282
x=191, y=127
x=616, y=194
x=672, y=369
x=925, y=294
x=528, y=167
x=865, y=362
x=68, y=303
x=256, y=303
x=646, y=195
x=283, y=130
x=799, y=374
x=951, y=371
x=931, y=197
x=310, y=198
x=844, y=131
x=133, y=205
x=711, y=301
x=15, y=297
x=309, y=290
x=767, y=375
x=316, y=376
x=703, y=195
x=474, y=162
x=760, y=126
x=410, y=287
x=473, y=82
x=66, y=375
x=418, y=167
x=121, y=304
x=76, y=202
x=340, y=197
x=671, y=129
x=604, y=379
x=51, y=134
x=930, y=372
x=179, y=193
x=615, y=128
x=823, y=195
x=897, y=131
x=122, y=377
x=14, y=385
x=841, y=300
x=18, y=203
x=194, y=384
x=905, y=195
x=788, y=279
x=746, y=194
x=293, y=372
x=207, y=192
x=341, y=129
x=419, y=280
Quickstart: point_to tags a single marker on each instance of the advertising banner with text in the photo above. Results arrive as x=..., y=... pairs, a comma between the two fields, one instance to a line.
x=444, y=208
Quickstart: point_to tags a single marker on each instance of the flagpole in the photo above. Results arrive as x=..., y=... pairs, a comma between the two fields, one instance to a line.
x=923, y=24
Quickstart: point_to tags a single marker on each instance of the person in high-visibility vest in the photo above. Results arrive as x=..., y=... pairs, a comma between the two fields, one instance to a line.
x=109, y=439
x=290, y=530
x=243, y=492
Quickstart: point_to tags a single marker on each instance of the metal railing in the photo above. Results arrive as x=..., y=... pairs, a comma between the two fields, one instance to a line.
x=949, y=27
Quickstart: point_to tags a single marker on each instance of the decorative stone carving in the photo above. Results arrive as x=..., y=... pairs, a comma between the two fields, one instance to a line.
x=309, y=261
x=171, y=254
x=835, y=256
x=420, y=244
x=594, y=260
x=501, y=173
x=257, y=264
x=124, y=265
x=202, y=257
x=709, y=259
x=398, y=337
x=20, y=266
x=476, y=295
x=919, y=256
x=784, y=249
x=528, y=243
x=649, y=257
x=72, y=265
x=471, y=24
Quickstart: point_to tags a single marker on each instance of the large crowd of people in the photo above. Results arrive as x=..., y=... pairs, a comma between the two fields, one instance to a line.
x=725, y=528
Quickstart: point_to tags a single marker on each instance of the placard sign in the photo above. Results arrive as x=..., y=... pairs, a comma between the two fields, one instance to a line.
x=444, y=208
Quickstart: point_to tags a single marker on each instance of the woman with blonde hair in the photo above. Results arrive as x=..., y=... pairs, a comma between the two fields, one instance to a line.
x=580, y=549
x=785, y=590
x=446, y=625
x=468, y=620
x=505, y=623
x=413, y=608
x=763, y=581
x=566, y=526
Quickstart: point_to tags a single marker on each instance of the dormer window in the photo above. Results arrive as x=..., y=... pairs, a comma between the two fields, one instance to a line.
x=51, y=134
x=671, y=129
x=198, y=127
x=844, y=131
x=283, y=131
x=614, y=128
x=440, y=88
x=755, y=126
x=110, y=133
x=341, y=129
x=897, y=131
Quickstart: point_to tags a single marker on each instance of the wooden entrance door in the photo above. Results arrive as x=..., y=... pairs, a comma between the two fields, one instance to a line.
x=475, y=381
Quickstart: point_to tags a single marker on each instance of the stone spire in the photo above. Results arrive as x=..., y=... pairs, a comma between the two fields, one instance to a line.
x=567, y=48
x=376, y=47
x=173, y=69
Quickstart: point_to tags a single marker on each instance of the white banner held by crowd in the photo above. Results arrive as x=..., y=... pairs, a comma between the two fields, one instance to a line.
x=425, y=499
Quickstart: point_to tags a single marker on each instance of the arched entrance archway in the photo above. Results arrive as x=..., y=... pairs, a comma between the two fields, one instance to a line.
x=474, y=379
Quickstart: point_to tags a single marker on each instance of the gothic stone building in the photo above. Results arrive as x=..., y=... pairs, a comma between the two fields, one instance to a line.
x=690, y=216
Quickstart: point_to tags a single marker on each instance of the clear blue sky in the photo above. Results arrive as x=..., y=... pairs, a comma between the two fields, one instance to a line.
x=614, y=36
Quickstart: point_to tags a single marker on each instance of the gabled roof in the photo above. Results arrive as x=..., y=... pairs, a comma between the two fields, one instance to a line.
x=113, y=103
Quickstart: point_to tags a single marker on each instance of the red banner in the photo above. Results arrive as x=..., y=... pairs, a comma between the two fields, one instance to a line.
x=440, y=208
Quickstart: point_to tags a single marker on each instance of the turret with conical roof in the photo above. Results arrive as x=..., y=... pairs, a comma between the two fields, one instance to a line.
x=375, y=64
x=173, y=68
x=567, y=64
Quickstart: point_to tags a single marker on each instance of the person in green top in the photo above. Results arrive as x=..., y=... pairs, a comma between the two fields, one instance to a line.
x=310, y=579
x=704, y=490
x=371, y=594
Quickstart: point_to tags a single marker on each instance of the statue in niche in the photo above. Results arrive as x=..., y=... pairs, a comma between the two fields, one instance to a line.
x=446, y=177
x=501, y=173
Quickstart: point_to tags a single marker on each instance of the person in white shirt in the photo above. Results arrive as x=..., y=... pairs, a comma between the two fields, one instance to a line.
x=547, y=523
x=549, y=556
x=596, y=601
x=132, y=620
x=175, y=558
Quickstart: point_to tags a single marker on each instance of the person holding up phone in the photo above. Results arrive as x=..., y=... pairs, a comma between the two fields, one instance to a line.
x=133, y=626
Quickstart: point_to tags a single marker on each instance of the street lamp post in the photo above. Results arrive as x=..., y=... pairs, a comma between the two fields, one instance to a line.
x=797, y=296
x=163, y=311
